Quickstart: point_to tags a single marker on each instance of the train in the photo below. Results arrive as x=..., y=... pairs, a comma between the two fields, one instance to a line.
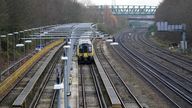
x=85, y=51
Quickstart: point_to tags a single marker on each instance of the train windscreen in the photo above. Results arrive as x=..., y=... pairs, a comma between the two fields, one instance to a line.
x=85, y=48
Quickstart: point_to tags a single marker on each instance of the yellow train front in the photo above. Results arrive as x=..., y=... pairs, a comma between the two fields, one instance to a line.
x=85, y=51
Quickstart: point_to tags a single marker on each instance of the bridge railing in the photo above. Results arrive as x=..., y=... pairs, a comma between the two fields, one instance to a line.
x=130, y=9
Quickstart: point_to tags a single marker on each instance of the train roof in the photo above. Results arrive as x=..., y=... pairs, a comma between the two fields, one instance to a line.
x=82, y=41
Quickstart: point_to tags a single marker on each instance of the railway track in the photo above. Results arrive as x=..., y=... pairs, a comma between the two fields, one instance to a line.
x=23, y=81
x=172, y=73
x=151, y=74
x=181, y=80
x=173, y=58
x=127, y=98
x=151, y=44
x=171, y=70
x=179, y=62
x=35, y=91
x=8, y=99
x=15, y=66
x=47, y=95
x=89, y=90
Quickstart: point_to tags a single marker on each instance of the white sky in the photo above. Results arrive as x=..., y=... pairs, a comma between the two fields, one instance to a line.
x=124, y=2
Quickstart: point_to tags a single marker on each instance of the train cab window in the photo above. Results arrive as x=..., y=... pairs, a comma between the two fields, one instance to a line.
x=81, y=49
x=85, y=48
x=89, y=49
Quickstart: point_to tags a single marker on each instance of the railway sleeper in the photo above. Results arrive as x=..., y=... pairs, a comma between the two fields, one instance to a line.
x=24, y=100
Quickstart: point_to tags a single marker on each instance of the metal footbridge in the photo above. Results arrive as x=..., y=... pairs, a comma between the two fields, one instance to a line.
x=132, y=11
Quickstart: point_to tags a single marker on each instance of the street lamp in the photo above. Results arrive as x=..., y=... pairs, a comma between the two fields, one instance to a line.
x=25, y=30
x=19, y=46
x=21, y=31
x=41, y=40
x=2, y=36
x=32, y=32
x=24, y=33
x=9, y=34
x=15, y=33
x=28, y=42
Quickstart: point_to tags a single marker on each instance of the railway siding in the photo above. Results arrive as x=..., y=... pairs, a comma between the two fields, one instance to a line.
x=24, y=99
x=9, y=82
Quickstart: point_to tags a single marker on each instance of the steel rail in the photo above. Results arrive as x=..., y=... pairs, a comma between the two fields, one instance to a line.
x=102, y=102
x=189, y=80
x=16, y=63
x=177, y=56
x=83, y=88
x=29, y=75
x=168, y=84
x=120, y=78
x=140, y=73
x=166, y=69
x=44, y=83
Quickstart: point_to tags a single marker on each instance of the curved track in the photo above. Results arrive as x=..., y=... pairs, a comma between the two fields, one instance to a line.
x=178, y=62
x=127, y=98
x=171, y=78
x=156, y=74
x=174, y=74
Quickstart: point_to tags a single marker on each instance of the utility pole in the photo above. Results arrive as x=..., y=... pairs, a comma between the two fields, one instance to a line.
x=0, y=42
x=183, y=42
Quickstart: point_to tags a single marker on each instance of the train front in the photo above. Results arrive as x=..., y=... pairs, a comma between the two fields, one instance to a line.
x=85, y=52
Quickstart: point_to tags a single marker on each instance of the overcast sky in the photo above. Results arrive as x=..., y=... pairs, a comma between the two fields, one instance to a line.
x=124, y=2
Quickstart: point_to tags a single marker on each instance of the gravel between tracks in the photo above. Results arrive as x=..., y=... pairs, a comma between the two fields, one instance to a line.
x=145, y=93
x=87, y=87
